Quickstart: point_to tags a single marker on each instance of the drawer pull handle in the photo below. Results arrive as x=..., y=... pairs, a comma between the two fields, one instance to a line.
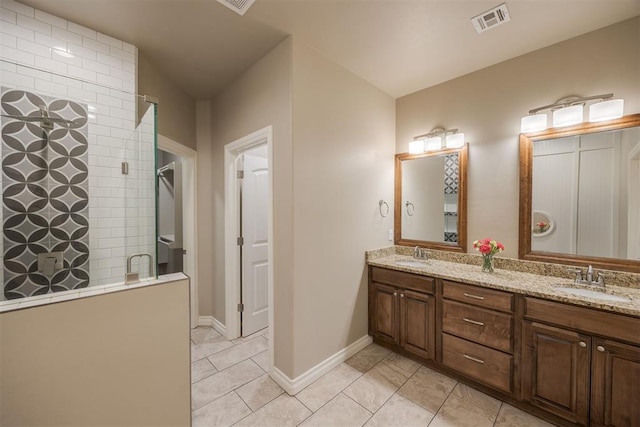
x=474, y=359
x=473, y=322
x=600, y=349
x=473, y=296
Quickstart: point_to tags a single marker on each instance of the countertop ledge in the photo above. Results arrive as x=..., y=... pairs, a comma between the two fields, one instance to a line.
x=513, y=281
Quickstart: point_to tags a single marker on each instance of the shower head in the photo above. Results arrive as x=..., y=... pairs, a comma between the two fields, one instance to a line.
x=45, y=121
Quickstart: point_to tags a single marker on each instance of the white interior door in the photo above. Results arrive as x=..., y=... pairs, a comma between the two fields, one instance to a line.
x=255, y=260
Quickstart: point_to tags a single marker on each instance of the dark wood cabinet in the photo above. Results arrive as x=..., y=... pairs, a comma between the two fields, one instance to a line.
x=615, y=384
x=555, y=371
x=402, y=311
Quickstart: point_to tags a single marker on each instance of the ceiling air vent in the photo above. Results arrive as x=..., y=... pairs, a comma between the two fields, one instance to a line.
x=238, y=6
x=491, y=18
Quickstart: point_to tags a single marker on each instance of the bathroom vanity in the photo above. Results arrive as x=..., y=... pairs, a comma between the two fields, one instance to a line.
x=568, y=359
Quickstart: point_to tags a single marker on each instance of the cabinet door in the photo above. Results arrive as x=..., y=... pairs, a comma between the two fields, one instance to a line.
x=385, y=325
x=615, y=384
x=555, y=371
x=417, y=320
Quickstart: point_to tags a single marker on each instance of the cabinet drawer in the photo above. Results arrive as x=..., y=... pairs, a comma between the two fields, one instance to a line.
x=486, y=327
x=476, y=295
x=404, y=280
x=490, y=367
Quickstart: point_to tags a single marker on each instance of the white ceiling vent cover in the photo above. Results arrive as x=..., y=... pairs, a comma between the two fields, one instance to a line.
x=491, y=18
x=238, y=6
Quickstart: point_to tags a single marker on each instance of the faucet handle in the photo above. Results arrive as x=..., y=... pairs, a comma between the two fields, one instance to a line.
x=577, y=272
x=600, y=281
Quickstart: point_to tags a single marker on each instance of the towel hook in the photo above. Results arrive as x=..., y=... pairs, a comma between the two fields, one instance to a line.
x=410, y=208
x=383, y=211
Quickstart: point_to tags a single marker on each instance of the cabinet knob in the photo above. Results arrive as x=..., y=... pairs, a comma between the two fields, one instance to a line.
x=401, y=295
x=582, y=344
x=600, y=349
x=395, y=294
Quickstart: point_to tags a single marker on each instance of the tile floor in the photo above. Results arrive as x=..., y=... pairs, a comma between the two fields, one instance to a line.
x=376, y=387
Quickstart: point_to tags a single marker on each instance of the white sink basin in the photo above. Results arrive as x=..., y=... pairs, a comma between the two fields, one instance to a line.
x=589, y=293
x=411, y=263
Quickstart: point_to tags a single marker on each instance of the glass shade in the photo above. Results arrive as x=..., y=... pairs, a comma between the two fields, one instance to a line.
x=533, y=123
x=455, y=140
x=416, y=147
x=568, y=116
x=434, y=143
x=606, y=110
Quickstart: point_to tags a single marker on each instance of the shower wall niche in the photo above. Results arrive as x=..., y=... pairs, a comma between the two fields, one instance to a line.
x=45, y=194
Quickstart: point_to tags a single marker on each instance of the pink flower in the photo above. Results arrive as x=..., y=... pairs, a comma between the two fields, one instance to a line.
x=485, y=249
x=488, y=246
x=500, y=247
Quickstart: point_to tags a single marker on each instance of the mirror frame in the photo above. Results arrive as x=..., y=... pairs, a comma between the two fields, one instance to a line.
x=526, y=176
x=461, y=244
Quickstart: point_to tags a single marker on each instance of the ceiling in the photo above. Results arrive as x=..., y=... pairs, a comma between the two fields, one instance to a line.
x=400, y=46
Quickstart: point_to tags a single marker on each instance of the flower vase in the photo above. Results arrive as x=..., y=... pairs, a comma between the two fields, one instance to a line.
x=487, y=263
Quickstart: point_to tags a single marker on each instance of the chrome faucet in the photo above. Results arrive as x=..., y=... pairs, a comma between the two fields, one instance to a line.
x=589, y=277
x=419, y=253
x=132, y=277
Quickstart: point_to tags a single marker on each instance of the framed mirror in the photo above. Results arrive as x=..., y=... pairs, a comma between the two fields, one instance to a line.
x=580, y=195
x=430, y=202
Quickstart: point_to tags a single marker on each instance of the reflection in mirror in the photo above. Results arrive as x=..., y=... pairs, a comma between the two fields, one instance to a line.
x=584, y=195
x=429, y=189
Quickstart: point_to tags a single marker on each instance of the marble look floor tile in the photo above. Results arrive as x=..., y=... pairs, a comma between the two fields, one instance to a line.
x=259, y=392
x=224, y=359
x=221, y=383
x=224, y=411
x=400, y=412
x=457, y=412
x=477, y=398
x=328, y=386
x=375, y=387
x=400, y=362
x=201, y=369
x=428, y=389
x=207, y=348
x=282, y=412
x=339, y=412
x=203, y=334
x=262, y=360
x=367, y=358
x=514, y=417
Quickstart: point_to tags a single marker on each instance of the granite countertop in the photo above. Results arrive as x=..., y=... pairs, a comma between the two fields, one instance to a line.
x=514, y=281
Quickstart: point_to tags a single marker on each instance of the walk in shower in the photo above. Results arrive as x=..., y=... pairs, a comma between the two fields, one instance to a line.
x=78, y=183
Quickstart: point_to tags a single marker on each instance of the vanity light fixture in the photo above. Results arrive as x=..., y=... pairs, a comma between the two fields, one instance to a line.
x=569, y=111
x=434, y=140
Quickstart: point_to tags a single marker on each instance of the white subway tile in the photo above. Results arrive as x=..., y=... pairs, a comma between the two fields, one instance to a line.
x=109, y=141
x=109, y=40
x=33, y=72
x=49, y=88
x=118, y=192
x=109, y=60
x=95, y=45
x=101, y=213
x=51, y=65
x=121, y=54
x=73, y=60
x=84, y=95
x=8, y=40
x=129, y=67
x=110, y=121
x=96, y=88
x=50, y=19
x=71, y=83
x=129, y=48
x=81, y=73
x=32, y=24
x=121, y=133
x=17, y=81
x=67, y=36
x=109, y=81
x=100, y=130
x=123, y=75
x=82, y=52
x=119, y=232
x=83, y=31
x=8, y=15
x=34, y=48
x=95, y=66
x=129, y=86
x=18, y=31
x=100, y=253
x=50, y=41
x=18, y=56
x=10, y=68
x=111, y=183
x=18, y=8
x=120, y=113
x=125, y=96
x=110, y=101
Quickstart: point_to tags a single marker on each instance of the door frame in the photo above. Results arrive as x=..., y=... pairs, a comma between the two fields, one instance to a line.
x=232, y=152
x=189, y=217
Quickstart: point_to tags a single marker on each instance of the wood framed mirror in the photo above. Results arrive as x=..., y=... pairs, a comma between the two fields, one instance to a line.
x=580, y=195
x=430, y=205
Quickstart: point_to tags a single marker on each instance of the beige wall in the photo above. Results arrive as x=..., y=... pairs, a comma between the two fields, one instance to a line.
x=487, y=105
x=258, y=98
x=176, y=110
x=343, y=133
x=118, y=359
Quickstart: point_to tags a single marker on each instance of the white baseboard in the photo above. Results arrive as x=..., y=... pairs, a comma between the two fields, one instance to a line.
x=293, y=386
x=214, y=323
